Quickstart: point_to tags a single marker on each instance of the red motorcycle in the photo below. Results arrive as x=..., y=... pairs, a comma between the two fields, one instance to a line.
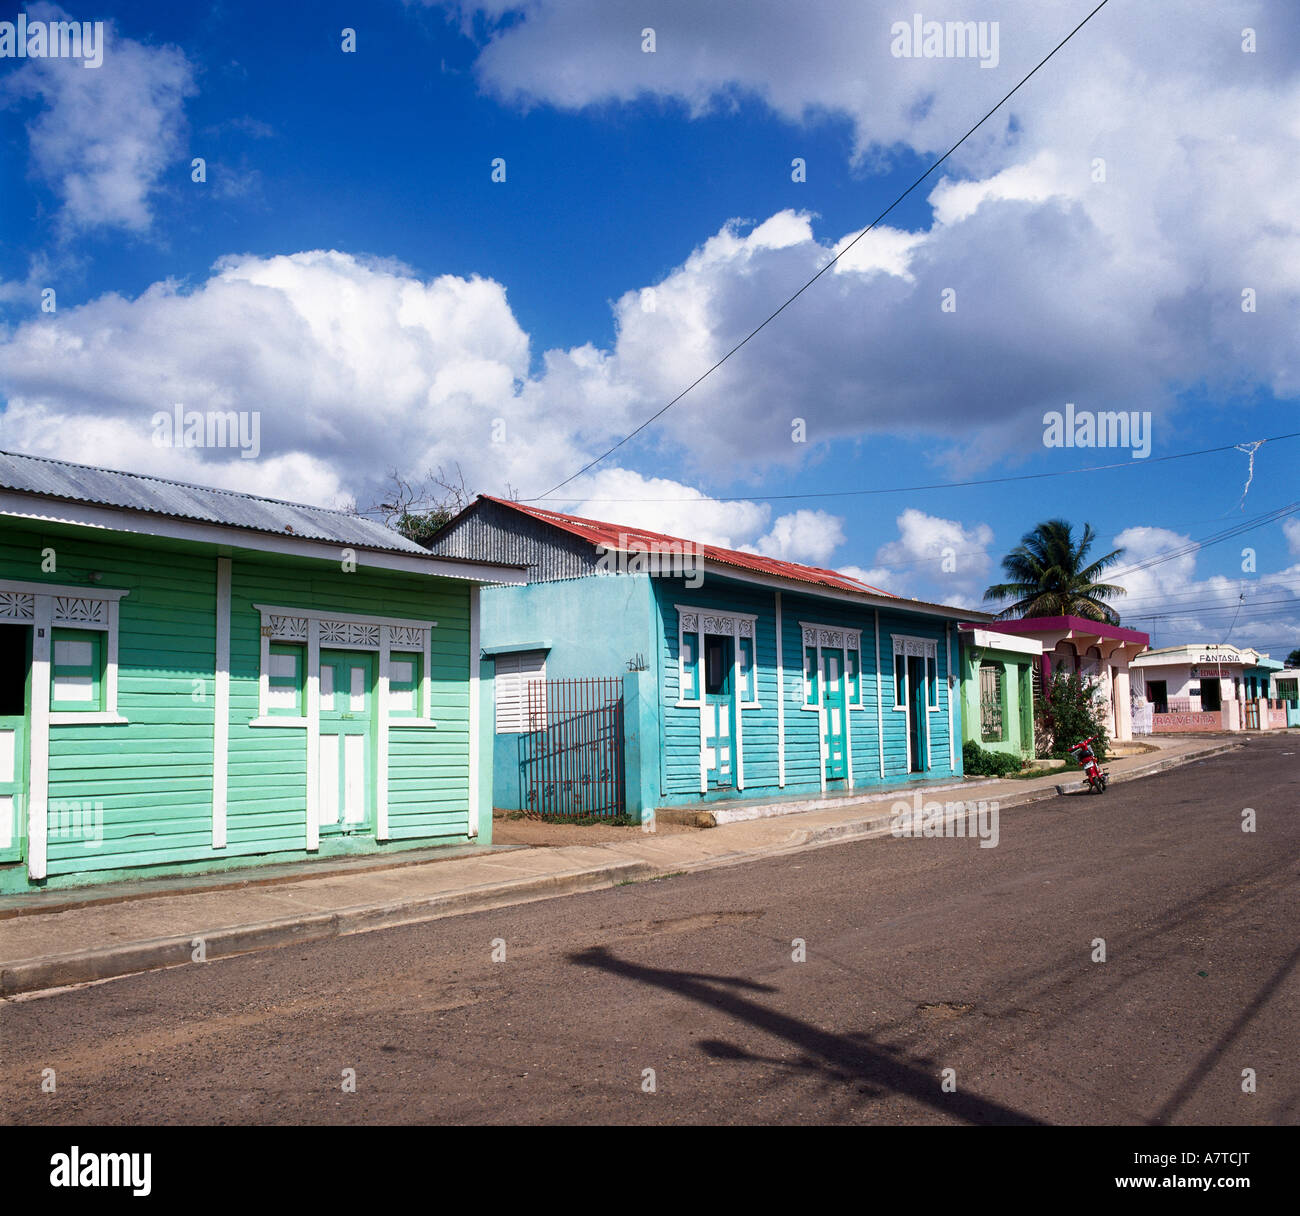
x=1093, y=773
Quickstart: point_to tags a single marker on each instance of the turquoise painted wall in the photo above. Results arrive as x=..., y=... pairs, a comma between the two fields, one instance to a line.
x=595, y=625
x=153, y=775
x=680, y=766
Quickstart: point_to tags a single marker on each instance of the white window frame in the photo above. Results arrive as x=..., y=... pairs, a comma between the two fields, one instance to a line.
x=520, y=682
x=90, y=607
x=916, y=648
x=830, y=637
x=735, y=625
x=342, y=631
x=691, y=618
x=843, y=639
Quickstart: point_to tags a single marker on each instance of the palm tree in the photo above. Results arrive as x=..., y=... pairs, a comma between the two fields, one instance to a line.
x=1049, y=577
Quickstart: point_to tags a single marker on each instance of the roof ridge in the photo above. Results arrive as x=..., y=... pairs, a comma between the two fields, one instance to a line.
x=548, y=515
x=187, y=485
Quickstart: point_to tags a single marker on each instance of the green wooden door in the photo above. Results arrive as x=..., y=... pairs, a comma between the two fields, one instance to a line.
x=836, y=727
x=15, y=683
x=719, y=711
x=347, y=760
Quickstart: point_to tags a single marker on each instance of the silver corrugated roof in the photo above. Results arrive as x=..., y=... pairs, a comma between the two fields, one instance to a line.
x=180, y=500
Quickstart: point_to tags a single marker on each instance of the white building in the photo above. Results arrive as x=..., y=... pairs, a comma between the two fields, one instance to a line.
x=1207, y=687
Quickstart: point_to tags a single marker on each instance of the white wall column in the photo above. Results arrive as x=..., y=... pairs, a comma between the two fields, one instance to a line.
x=1123, y=706
x=780, y=695
x=880, y=698
x=38, y=773
x=381, y=744
x=738, y=697
x=220, y=707
x=475, y=727
x=313, y=733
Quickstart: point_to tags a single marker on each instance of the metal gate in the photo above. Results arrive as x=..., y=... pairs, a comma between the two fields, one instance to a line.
x=573, y=751
x=1252, y=714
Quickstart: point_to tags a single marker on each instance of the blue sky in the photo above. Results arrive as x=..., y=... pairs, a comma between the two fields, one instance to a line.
x=350, y=272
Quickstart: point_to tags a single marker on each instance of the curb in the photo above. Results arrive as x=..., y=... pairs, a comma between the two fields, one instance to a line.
x=55, y=971
x=878, y=824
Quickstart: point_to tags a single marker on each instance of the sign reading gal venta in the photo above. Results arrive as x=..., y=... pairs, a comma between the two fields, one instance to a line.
x=23, y=39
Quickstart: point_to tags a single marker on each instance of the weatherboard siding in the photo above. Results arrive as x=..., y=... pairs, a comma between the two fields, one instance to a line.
x=495, y=533
x=151, y=778
x=680, y=730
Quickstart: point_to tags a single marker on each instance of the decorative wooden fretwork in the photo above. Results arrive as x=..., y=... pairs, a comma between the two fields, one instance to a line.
x=349, y=633
x=690, y=622
x=354, y=635
x=916, y=648
x=288, y=628
x=836, y=639
x=17, y=606
x=80, y=610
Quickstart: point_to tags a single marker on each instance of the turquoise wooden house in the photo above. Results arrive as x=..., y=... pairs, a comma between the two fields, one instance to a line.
x=193, y=679
x=741, y=677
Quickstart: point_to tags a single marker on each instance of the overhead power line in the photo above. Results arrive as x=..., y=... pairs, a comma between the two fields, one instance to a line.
x=772, y=316
x=942, y=485
x=1249, y=525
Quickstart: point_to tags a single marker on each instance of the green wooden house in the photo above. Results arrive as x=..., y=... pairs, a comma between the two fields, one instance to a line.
x=997, y=683
x=193, y=679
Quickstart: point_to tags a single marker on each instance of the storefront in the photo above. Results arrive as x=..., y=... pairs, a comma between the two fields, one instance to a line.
x=1208, y=688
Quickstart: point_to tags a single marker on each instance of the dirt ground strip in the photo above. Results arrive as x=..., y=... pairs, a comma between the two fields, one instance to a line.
x=533, y=832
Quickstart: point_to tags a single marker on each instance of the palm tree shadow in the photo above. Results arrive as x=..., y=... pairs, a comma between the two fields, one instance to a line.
x=835, y=1057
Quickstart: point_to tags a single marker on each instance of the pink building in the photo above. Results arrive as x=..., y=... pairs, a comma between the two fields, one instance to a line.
x=1088, y=648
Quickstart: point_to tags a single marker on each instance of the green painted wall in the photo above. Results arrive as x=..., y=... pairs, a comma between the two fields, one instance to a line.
x=1017, y=700
x=153, y=776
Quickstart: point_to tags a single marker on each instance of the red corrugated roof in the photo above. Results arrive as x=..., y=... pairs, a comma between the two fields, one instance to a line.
x=621, y=537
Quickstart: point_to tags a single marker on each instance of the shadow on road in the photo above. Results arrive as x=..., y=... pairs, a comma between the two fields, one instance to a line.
x=1226, y=1040
x=838, y=1057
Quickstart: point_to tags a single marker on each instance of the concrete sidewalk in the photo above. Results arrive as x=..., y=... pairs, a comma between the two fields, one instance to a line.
x=69, y=938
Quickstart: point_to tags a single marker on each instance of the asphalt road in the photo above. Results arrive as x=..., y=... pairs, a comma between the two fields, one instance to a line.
x=922, y=955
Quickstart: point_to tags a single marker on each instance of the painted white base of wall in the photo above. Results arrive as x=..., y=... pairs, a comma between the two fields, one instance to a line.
x=722, y=813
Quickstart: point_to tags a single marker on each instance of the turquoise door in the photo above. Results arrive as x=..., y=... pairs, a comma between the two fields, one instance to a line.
x=347, y=762
x=15, y=682
x=719, y=711
x=835, y=738
x=916, y=714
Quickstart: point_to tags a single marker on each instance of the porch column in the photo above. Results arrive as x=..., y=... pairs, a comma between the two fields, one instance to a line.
x=1123, y=709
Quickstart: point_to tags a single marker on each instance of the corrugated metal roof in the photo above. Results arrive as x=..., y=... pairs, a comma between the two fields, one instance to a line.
x=181, y=500
x=619, y=537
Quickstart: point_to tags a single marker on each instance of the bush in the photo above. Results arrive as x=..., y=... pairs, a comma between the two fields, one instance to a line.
x=977, y=762
x=1072, y=710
